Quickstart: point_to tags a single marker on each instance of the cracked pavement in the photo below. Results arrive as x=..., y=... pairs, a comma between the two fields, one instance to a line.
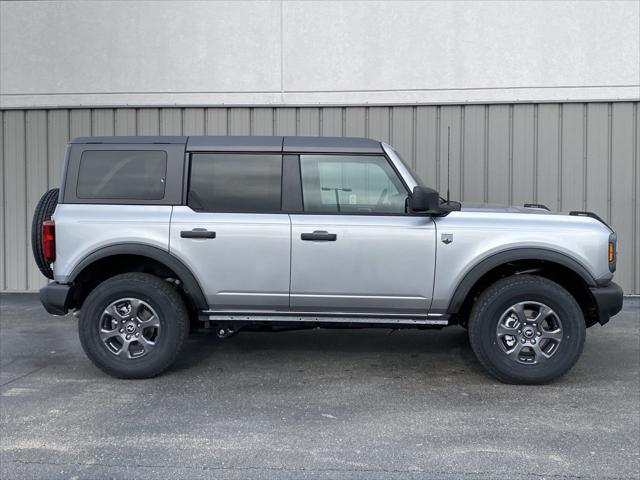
x=357, y=404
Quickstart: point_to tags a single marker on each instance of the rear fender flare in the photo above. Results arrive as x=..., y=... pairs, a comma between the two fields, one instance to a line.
x=189, y=282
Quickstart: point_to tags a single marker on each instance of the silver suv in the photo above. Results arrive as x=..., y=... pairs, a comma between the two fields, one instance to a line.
x=151, y=236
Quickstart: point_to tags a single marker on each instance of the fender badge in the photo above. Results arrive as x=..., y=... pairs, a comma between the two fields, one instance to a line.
x=446, y=238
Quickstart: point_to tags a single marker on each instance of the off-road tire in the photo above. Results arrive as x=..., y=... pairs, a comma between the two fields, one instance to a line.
x=162, y=297
x=44, y=209
x=497, y=298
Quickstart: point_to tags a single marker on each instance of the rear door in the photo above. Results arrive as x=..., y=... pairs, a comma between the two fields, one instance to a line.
x=232, y=232
x=355, y=249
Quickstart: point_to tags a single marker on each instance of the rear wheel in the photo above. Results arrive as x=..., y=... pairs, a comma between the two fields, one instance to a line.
x=43, y=211
x=133, y=325
x=526, y=329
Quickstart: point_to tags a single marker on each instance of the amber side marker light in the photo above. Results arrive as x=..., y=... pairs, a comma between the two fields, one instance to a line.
x=612, y=252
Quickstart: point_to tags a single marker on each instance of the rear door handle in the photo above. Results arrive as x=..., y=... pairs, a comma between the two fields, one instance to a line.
x=197, y=233
x=319, y=236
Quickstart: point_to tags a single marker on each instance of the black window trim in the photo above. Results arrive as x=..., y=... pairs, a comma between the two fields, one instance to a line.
x=291, y=184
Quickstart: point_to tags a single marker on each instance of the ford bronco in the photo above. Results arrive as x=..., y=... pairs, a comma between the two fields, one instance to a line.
x=148, y=237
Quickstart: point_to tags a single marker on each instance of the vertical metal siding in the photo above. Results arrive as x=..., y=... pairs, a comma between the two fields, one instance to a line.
x=497, y=156
x=635, y=198
x=125, y=121
x=193, y=120
x=37, y=179
x=571, y=156
x=3, y=202
x=331, y=122
x=15, y=198
x=309, y=121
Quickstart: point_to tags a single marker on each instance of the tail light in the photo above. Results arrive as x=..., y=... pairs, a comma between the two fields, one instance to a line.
x=49, y=241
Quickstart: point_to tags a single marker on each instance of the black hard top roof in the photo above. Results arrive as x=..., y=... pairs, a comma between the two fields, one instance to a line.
x=129, y=140
x=249, y=143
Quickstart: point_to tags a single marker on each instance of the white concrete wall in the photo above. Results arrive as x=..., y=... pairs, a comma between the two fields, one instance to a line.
x=111, y=53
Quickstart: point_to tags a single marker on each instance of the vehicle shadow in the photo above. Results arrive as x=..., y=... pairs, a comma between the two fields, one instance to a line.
x=412, y=349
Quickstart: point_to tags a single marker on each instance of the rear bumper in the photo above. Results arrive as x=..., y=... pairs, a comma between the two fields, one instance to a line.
x=608, y=301
x=55, y=298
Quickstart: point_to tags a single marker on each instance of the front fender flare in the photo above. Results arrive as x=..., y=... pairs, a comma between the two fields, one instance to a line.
x=477, y=271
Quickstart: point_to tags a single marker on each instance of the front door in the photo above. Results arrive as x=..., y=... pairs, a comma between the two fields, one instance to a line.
x=355, y=249
x=232, y=234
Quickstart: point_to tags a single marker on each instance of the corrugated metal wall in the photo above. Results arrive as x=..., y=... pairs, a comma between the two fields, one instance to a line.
x=571, y=156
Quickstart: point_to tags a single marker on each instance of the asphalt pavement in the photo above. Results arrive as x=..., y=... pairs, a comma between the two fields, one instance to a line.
x=331, y=404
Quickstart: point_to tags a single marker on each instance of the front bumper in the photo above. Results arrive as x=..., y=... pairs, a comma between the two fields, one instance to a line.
x=55, y=298
x=608, y=301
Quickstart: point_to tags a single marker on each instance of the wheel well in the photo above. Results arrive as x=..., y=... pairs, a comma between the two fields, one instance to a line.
x=560, y=274
x=104, y=268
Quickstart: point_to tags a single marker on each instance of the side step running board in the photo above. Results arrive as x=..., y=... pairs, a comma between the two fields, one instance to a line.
x=434, y=319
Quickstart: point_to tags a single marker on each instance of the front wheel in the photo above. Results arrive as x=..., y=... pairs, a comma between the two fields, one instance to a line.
x=133, y=325
x=526, y=329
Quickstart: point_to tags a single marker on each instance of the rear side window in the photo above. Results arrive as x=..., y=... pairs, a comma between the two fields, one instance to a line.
x=122, y=174
x=235, y=183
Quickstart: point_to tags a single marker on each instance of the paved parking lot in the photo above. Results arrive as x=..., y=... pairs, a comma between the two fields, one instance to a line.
x=365, y=404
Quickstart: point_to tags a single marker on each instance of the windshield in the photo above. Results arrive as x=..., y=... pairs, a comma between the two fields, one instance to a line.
x=406, y=171
x=415, y=176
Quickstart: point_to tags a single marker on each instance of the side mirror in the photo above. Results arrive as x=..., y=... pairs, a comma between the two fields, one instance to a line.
x=424, y=199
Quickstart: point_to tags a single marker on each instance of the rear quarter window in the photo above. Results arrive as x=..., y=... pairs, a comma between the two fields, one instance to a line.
x=122, y=174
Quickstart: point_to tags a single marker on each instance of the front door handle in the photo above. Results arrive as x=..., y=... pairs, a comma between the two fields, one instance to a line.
x=197, y=233
x=319, y=236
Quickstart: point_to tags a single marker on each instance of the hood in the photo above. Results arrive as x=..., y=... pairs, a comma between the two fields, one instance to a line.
x=534, y=209
x=497, y=208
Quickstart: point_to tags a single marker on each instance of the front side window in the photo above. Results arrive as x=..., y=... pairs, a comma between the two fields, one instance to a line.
x=122, y=174
x=351, y=184
x=229, y=182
